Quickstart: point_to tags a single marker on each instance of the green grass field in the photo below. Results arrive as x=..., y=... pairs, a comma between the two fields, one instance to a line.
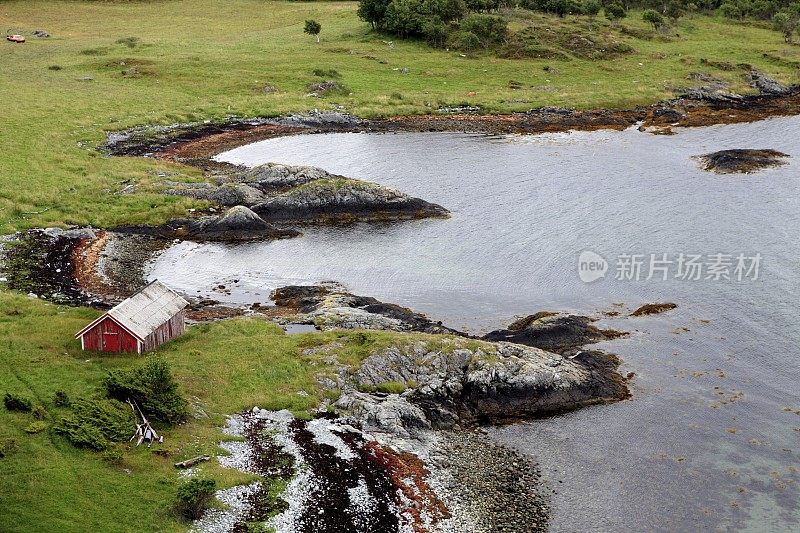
x=225, y=367
x=204, y=59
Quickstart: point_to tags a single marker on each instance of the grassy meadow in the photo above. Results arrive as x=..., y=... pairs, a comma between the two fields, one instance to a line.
x=184, y=60
x=225, y=367
x=160, y=62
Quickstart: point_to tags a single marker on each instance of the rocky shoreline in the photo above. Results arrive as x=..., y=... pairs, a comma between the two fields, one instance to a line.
x=409, y=413
x=197, y=143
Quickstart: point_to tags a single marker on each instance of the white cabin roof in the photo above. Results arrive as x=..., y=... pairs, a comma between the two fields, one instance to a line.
x=146, y=310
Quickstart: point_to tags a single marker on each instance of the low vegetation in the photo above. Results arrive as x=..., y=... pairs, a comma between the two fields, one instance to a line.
x=112, y=65
x=220, y=368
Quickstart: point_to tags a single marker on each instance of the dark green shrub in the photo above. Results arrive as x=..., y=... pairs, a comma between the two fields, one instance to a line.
x=463, y=40
x=96, y=424
x=54, y=67
x=15, y=402
x=615, y=11
x=193, y=497
x=653, y=17
x=153, y=389
x=61, y=399
x=487, y=28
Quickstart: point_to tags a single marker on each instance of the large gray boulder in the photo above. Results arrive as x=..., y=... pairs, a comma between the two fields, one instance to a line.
x=459, y=382
x=345, y=200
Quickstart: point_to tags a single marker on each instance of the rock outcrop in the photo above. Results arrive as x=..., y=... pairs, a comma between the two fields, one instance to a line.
x=291, y=194
x=274, y=177
x=237, y=224
x=741, y=161
x=766, y=85
x=344, y=200
x=333, y=308
x=554, y=332
x=457, y=382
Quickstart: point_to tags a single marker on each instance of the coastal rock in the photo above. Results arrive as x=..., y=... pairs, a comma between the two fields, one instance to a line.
x=553, y=332
x=227, y=194
x=332, y=308
x=237, y=224
x=741, y=160
x=766, y=85
x=345, y=200
x=274, y=177
x=459, y=382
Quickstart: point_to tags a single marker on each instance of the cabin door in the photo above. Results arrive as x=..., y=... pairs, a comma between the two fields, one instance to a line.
x=111, y=340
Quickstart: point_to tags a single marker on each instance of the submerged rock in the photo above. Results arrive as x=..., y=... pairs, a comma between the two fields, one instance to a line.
x=741, y=160
x=237, y=224
x=654, y=309
x=345, y=200
x=554, y=332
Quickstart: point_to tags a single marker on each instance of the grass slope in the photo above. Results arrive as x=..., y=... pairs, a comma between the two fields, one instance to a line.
x=205, y=59
x=223, y=367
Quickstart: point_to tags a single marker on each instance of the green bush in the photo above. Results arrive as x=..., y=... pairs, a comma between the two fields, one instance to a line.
x=36, y=427
x=487, y=28
x=15, y=402
x=463, y=40
x=61, y=399
x=153, y=389
x=653, y=17
x=193, y=497
x=96, y=424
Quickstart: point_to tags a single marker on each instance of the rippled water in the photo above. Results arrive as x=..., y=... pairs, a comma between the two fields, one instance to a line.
x=706, y=443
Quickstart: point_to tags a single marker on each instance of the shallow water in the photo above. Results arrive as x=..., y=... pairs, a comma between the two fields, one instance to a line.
x=706, y=442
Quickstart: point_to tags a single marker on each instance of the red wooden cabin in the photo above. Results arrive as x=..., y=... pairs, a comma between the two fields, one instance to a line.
x=149, y=318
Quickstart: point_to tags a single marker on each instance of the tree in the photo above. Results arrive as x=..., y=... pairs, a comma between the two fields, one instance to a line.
x=373, y=11
x=615, y=12
x=591, y=8
x=785, y=23
x=653, y=17
x=313, y=28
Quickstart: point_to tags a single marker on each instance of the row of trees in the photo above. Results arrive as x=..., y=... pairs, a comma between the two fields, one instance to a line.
x=467, y=24
x=470, y=24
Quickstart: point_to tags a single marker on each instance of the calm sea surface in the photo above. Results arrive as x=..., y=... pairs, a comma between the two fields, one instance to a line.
x=711, y=438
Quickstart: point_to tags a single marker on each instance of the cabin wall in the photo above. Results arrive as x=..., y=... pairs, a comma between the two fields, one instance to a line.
x=108, y=336
x=167, y=331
